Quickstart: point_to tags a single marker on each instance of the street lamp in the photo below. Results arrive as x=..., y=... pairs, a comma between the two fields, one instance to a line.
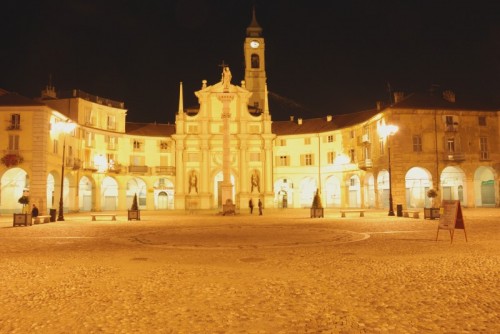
x=389, y=130
x=63, y=128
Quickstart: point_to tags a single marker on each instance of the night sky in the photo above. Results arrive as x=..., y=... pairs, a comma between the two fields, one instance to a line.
x=321, y=58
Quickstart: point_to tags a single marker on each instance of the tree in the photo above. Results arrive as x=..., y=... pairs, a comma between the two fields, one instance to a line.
x=24, y=200
x=135, y=206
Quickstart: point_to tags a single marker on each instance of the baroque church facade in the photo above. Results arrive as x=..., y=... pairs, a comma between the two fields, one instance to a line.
x=229, y=148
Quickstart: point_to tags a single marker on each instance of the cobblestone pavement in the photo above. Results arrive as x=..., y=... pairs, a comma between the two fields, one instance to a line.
x=283, y=272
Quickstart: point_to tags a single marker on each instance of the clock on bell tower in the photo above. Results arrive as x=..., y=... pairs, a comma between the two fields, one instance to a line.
x=255, y=69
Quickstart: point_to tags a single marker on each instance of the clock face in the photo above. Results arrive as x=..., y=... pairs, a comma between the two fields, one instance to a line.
x=254, y=44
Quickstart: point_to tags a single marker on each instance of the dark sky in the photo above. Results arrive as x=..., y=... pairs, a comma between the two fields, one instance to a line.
x=330, y=57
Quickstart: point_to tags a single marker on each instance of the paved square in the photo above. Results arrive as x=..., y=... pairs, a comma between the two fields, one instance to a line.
x=283, y=272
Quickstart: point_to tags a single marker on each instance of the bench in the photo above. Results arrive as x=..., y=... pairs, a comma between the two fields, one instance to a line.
x=95, y=215
x=41, y=219
x=414, y=212
x=344, y=211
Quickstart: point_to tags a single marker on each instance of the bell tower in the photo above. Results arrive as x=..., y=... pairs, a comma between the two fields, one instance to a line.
x=255, y=64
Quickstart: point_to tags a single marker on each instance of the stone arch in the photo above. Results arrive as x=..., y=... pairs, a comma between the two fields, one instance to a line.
x=109, y=194
x=283, y=193
x=12, y=184
x=163, y=189
x=333, y=198
x=354, y=192
x=307, y=189
x=383, y=189
x=369, y=191
x=85, y=192
x=484, y=187
x=453, y=184
x=137, y=186
x=417, y=181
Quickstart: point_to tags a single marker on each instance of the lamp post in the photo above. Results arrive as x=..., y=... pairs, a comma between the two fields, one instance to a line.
x=390, y=130
x=64, y=127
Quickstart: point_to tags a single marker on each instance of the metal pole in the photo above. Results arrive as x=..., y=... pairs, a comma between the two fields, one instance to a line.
x=60, y=216
x=391, y=208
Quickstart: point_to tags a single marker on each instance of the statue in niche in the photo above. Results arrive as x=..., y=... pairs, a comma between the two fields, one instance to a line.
x=255, y=181
x=193, y=182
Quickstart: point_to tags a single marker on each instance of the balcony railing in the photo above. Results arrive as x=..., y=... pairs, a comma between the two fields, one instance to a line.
x=14, y=126
x=73, y=163
x=165, y=170
x=454, y=156
x=365, y=164
x=89, y=166
x=138, y=169
x=451, y=128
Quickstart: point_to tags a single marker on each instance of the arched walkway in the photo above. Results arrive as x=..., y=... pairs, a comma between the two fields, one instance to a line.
x=332, y=192
x=417, y=182
x=13, y=182
x=283, y=194
x=307, y=188
x=163, y=194
x=484, y=187
x=453, y=184
x=136, y=186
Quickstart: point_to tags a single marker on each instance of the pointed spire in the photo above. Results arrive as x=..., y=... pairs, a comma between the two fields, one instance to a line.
x=254, y=29
x=266, y=101
x=181, y=101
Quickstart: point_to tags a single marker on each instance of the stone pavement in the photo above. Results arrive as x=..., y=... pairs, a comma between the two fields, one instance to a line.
x=198, y=272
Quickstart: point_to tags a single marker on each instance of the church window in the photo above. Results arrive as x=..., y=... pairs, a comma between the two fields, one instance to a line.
x=255, y=61
x=482, y=120
x=163, y=145
x=307, y=141
x=352, y=155
x=330, y=139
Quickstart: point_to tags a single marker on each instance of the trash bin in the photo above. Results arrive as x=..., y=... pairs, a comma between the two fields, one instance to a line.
x=399, y=209
x=52, y=213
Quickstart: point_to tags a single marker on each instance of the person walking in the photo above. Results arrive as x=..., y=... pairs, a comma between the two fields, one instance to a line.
x=250, y=205
x=260, y=207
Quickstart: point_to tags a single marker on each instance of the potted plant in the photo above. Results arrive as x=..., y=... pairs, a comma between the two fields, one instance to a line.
x=23, y=218
x=317, y=206
x=433, y=211
x=134, y=212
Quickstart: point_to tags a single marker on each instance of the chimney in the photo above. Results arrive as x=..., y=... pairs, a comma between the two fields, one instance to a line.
x=379, y=105
x=449, y=96
x=49, y=93
x=398, y=96
x=292, y=118
x=299, y=121
x=328, y=118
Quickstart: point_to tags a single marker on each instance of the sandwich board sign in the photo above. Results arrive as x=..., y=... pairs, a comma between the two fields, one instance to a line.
x=451, y=218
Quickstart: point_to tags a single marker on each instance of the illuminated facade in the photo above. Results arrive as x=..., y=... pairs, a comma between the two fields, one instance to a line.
x=440, y=145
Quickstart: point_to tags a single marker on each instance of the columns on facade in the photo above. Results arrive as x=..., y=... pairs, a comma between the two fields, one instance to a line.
x=226, y=186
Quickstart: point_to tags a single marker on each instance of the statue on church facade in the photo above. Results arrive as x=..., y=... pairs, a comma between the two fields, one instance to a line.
x=226, y=77
x=255, y=181
x=193, y=182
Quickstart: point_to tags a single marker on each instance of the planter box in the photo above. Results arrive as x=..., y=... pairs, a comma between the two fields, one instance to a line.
x=317, y=213
x=431, y=213
x=134, y=214
x=22, y=219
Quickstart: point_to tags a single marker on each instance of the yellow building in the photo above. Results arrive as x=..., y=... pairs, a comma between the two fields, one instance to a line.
x=80, y=146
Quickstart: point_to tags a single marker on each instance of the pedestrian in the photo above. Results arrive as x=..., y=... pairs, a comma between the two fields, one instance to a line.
x=260, y=207
x=34, y=211
x=250, y=205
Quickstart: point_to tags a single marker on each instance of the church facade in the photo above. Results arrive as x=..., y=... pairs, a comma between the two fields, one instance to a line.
x=229, y=148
